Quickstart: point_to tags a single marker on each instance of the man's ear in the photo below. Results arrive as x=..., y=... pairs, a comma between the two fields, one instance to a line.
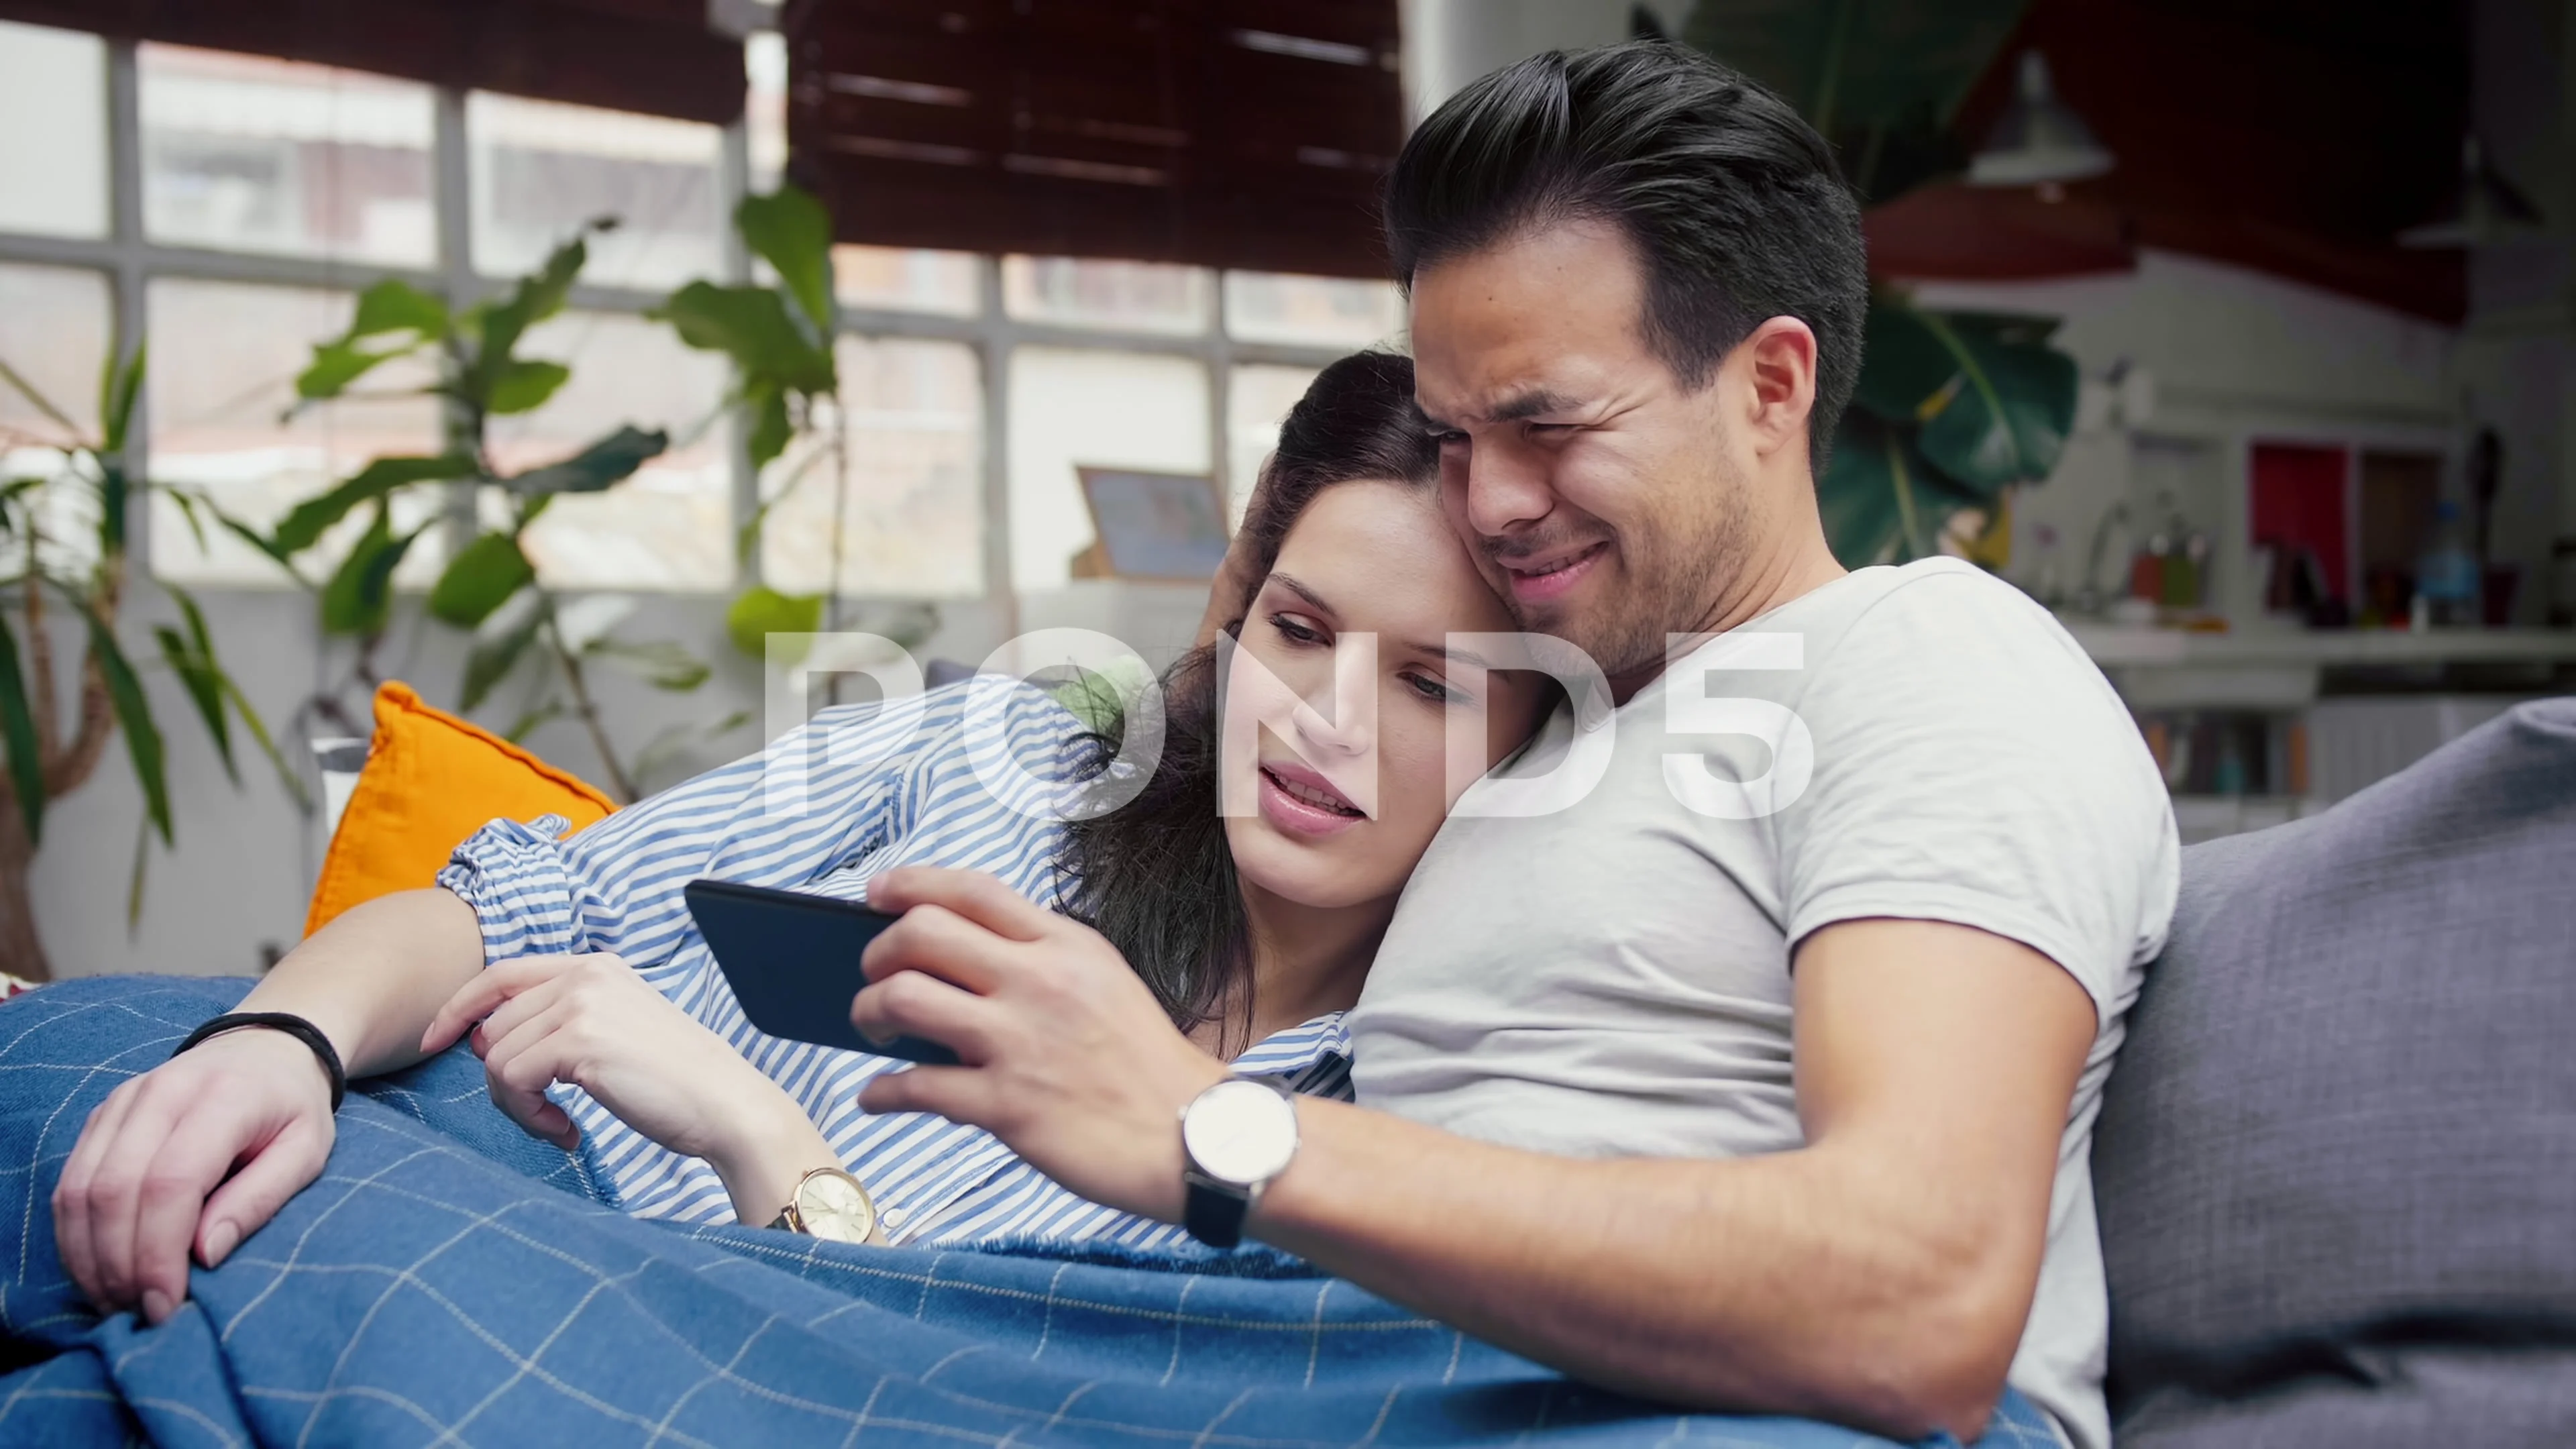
x=1779, y=360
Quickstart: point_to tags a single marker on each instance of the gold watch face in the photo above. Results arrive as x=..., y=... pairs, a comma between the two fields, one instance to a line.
x=832, y=1205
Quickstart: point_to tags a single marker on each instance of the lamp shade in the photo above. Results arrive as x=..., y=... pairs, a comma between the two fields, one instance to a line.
x=2487, y=209
x=2037, y=141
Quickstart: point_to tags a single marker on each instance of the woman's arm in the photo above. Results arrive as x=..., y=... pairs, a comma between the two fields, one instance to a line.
x=154, y=1171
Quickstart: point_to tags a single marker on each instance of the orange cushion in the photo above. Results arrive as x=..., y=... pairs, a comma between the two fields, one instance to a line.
x=431, y=780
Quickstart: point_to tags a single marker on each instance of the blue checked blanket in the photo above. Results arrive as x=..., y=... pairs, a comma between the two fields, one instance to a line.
x=450, y=1280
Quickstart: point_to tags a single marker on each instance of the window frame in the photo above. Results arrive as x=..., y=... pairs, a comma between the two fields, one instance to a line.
x=130, y=260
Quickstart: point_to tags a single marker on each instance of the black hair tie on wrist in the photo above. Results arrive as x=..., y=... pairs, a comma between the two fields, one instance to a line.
x=294, y=1026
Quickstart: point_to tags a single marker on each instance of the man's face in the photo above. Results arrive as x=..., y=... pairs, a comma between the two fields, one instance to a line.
x=1603, y=499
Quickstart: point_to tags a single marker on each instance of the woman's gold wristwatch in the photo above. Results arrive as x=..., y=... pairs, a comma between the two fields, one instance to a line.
x=830, y=1204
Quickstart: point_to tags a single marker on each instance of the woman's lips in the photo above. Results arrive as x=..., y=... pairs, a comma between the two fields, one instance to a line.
x=1301, y=802
x=1554, y=578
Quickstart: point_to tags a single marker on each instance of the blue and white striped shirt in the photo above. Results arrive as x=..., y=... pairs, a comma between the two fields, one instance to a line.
x=879, y=789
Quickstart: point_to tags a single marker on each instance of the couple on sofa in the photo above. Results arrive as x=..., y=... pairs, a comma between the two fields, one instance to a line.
x=1759, y=1076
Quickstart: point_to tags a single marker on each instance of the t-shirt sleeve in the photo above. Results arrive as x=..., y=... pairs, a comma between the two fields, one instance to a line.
x=1973, y=767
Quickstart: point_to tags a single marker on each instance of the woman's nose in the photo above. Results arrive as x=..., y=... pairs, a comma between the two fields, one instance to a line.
x=1341, y=714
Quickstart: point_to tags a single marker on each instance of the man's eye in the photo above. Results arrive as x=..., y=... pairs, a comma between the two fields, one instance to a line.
x=1450, y=437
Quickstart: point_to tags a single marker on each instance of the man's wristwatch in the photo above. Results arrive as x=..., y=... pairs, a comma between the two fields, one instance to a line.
x=830, y=1204
x=1236, y=1137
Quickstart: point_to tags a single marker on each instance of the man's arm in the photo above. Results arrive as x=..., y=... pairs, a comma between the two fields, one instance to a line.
x=1880, y=1275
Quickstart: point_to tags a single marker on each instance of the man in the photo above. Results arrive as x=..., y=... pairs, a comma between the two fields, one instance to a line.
x=1763, y=1077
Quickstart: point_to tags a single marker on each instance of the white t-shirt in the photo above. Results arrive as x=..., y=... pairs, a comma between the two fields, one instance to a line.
x=1613, y=980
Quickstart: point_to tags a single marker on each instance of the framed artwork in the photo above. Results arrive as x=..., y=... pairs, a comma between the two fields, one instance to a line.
x=1162, y=526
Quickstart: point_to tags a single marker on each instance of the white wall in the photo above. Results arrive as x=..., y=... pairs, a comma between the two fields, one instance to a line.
x=2236, y=356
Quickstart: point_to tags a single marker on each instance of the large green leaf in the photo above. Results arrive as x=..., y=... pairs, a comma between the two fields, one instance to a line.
x=1880, y=497
x=2008, y=422
x=496, y=652
x=482, y=577
x=118, y=387
x=792, y=232
x=189, y=651
x=750, y=325
x=603, y=463
x=359, y=598
x=762, y=611
x=499, y=325
x=525, y=385
x=342, y=361
x=304, y=525
x=18, y=732
x=133, y=713
x=662, y=663
x=771, y=428
x=1992, y=402
x=394, y=305
x=1857, y=63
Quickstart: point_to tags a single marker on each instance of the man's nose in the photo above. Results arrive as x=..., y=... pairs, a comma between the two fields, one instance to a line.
x=1504, y=487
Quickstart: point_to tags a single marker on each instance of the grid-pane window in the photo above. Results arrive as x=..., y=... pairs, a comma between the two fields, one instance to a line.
x=242, y=153
x=539, y=171
x=670, y=526
x=53, y=132
x=222, y=381
x=912, y=517
x=1311, y=311
x=1117, y=296
x=1073, y=407
x=906, y=279
x=1258, y=399
x=54, y=334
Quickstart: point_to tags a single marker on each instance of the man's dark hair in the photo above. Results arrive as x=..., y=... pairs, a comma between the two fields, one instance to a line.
x=1732, y=201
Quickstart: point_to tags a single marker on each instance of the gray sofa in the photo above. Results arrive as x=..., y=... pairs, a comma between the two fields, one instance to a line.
x=2337, y=1161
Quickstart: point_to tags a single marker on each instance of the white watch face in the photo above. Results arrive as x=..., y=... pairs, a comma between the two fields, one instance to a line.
x=834, y=1207
x=1240, y=1132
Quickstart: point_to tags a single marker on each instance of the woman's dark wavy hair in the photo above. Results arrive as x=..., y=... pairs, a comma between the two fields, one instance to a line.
x=1155, y=876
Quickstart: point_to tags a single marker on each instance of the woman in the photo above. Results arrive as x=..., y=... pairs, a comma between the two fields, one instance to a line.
x=571, y=963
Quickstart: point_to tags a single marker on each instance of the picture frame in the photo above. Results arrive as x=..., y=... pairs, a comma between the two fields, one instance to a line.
x=1153, y=526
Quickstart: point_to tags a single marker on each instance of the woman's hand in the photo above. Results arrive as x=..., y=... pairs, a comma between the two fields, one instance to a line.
x=1064, y=1054
x=590, y=1021
x=155, y=1167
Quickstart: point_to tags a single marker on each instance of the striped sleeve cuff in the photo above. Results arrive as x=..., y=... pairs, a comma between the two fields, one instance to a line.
x=514, y=877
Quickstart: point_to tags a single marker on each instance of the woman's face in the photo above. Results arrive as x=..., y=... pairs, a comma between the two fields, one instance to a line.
x=1375, y=558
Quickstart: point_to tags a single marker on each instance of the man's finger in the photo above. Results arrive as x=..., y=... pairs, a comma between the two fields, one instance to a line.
x=243, y=1205
x=959, y=1094
x=936, y=941
x=976, y=895
x=478, y=998
x=914, y=1004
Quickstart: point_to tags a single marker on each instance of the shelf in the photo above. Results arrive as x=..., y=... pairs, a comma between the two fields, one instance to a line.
x=2126, y=646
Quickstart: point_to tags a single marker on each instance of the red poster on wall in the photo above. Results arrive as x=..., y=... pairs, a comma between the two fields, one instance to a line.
x=2300, y=503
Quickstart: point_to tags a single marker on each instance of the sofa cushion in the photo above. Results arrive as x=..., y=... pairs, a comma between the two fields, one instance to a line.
x=2343, y=1129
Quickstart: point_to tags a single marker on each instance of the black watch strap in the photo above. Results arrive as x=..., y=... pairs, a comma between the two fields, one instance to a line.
x=1214, y=1215
x=294, y=1026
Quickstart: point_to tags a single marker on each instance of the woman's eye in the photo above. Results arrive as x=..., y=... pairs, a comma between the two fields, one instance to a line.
x=1433, y=690
x=1295, y=631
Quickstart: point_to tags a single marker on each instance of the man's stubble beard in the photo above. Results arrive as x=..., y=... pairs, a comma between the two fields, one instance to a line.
x=1671, y=583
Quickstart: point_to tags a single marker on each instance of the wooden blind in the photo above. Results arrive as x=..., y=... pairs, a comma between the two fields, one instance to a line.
x=653, y=56
x=1226, y=133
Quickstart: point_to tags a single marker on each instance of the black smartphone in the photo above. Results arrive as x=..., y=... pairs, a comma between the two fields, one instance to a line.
x=793, y=962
